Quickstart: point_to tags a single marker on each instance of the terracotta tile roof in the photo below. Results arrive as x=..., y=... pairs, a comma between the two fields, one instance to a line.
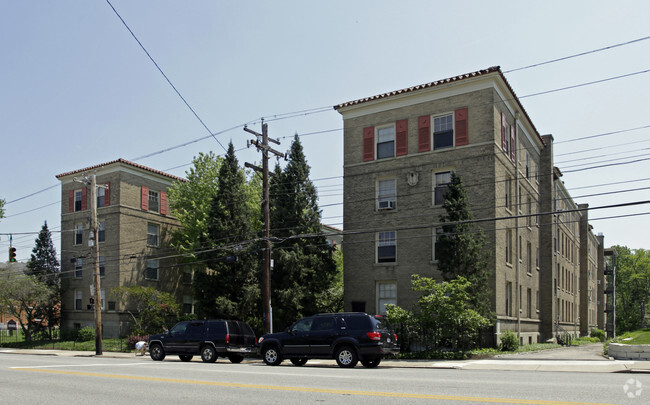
x=123, y=161
x=493, y=69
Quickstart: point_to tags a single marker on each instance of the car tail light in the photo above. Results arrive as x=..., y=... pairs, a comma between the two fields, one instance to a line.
x=395, y=337
x=227, y=337
x=260, y=341
x=374, y=335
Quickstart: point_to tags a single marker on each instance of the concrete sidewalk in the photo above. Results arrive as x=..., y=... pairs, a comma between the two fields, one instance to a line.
x=583, y=359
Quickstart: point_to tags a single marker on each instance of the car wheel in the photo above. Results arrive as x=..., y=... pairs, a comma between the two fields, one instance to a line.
x=371, y=363
x=208, y=354
x=272, y=355
x=156, y=352
x=185, y=357
x=299, y=362
x=346, y=357
x=235, y=358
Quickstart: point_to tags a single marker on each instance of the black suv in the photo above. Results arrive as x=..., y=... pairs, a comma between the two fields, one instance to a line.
x=210, y=339
x=346, y=337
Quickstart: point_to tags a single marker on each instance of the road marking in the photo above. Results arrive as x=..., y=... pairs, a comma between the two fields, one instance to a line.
x=314, y=390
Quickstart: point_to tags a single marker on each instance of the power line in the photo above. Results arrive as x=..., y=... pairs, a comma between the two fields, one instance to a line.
x=165, y=76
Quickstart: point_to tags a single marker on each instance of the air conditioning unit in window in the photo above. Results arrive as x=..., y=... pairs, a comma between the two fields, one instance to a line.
x=387, y=205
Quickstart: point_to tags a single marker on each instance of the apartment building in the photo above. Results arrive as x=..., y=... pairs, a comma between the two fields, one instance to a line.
x=400, y=149
x=134, y=230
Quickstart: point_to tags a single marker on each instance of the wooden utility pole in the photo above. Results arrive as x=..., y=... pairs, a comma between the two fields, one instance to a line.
x=262, y=144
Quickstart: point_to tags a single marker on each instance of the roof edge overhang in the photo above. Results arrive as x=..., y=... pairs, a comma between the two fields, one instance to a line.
x=118, y=162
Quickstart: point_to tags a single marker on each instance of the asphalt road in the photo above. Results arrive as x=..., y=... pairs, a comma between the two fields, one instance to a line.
x=33, y=379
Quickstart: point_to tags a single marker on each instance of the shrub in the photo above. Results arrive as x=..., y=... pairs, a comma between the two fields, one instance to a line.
x=133, y=339
x=598, y=333
x=86, y=333
x=509, y=341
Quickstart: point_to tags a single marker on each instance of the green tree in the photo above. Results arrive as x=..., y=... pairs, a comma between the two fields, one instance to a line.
x=443, y=312
x=230, y=289
x=632, y=288
x=304, y=268
x=190, y=202
x=21, y=294
x=44, y=265
x=150, y=309
x=460, y=248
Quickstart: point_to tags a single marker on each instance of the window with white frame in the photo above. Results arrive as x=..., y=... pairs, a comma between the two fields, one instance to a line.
x=386, y=247
x=101, y=197
x=442, y=180
x=78, y=234
x=101, y=232
x=386, y=142
x=153, y=233
x=386, y=295
x=78, y=195
x=102, y=299
x=77, y=300
x=386, y=194
x=154, y=201
x=443, y=131
x=78, y=265
x=188, y=304
x=151, y=272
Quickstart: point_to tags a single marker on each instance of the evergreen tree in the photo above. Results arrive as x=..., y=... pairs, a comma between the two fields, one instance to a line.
x=460, y=248
x=230, y=289
x=44, y=266
x=304, y=268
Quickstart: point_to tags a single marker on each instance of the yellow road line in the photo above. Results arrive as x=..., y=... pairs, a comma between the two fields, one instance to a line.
x=316, y=390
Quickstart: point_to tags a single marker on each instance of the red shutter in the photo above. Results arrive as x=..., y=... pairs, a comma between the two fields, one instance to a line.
x=424, y=134
x=71, y=201
x=163, y=203
x=460, y=130
x=145, y=198
x=84, y=199
x=401, y=138
x=513, y=149
x=368, y=144
x=107, y=195
x=504, y=124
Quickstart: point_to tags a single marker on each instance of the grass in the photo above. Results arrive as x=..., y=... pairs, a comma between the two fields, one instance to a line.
x=108, y=345
x=637, y=337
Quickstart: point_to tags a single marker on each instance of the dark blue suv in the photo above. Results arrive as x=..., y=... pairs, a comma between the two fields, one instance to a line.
x=347, y=337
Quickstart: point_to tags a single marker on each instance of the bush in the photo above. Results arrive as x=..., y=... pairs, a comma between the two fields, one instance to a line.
x=598, y=333
x=133, y=339
x=86, y=333
x=509, y=341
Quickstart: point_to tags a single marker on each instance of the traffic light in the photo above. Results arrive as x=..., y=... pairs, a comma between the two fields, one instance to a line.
x=12, y=255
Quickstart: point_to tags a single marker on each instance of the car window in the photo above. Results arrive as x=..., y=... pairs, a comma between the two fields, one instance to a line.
x=358, y=322
x=323, y=323
x=303, y=325
x=179, y=329
x=194, y=330
x=233, y=328
x=216, y=330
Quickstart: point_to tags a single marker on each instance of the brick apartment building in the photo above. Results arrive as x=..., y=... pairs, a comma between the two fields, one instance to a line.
x=400, y=149
x=134, y=229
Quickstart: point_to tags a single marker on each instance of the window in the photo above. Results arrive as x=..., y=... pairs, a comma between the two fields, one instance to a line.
x=443, y=132
x=508, y=246
x=529, y=303
x=527, y=165
x=386, y=194
x=386, y=295
x=151, y=272
x=78, y=234
x=77, y=300
x=385, y=142
x=436, y=235
x=529, y=218
x=508, y=192
x=111, y=305
x=101, y=232
x=78, y=198
x=187, y=276
x=153, y=231
x=78, y=264
x=101, y=197
x=508, y=298
x=386, y=246
x=188, y=304
x=102, y=266
x=442, y=180
x=529, y=258
x=154, y=201
x=102, y=299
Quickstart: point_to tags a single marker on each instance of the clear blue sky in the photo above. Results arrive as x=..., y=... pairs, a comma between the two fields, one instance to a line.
x=77, y=90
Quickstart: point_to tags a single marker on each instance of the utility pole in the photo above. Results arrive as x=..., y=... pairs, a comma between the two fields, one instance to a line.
x=93, y=241
x=262, y=144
